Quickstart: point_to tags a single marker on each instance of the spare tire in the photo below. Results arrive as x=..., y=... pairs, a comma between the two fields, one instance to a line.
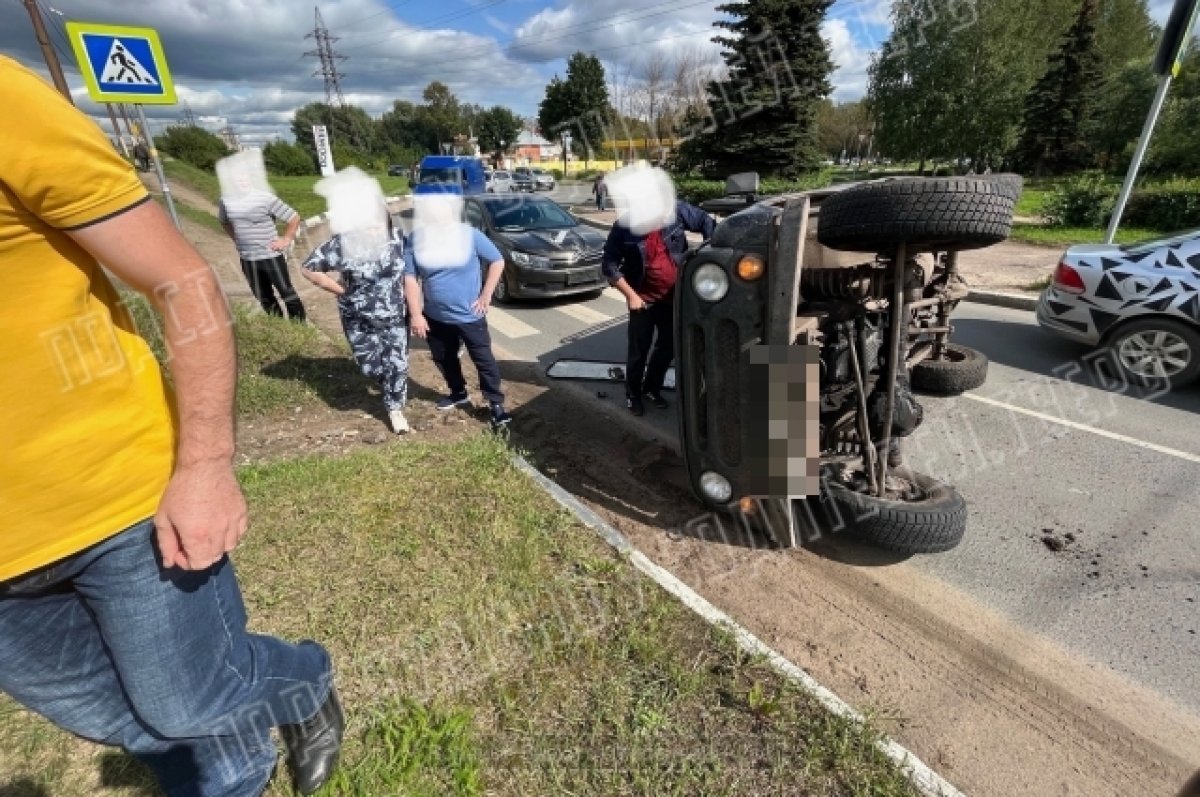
x=933, y=522
x=960, y=369
x=952, y=213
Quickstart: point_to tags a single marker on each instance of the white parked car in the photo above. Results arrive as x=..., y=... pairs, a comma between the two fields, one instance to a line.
x=498, y=181
x=1141, y=302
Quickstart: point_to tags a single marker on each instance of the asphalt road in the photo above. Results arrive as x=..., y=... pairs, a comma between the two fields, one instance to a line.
x=1045, y=449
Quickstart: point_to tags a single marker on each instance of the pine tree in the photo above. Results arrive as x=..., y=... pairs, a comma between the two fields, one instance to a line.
x=764, y=114
x=1057, y=109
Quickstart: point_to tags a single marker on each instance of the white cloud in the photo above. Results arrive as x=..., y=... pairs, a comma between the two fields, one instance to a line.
x=242, y=61
x=850, y=60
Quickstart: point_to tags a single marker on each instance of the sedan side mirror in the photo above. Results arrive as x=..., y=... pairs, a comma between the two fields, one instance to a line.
x=743, y=183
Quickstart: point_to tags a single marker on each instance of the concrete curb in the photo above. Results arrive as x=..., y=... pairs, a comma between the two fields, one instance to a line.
x=928, y=782
x=1013, y=301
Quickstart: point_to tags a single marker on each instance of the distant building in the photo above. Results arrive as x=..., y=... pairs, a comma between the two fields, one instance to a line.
x=532, y=148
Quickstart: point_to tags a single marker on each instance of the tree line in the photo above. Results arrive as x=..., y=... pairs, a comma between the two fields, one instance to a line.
x=1048, y=88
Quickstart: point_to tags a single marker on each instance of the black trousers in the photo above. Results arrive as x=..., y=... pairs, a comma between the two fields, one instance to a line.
x=444, y=341
x=268, y=278
x=649, y=355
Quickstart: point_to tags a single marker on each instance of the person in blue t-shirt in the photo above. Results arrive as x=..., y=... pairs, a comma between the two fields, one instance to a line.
x=448, y=300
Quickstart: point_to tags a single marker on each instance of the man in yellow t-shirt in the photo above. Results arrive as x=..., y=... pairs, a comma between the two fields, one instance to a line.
x=121, y=619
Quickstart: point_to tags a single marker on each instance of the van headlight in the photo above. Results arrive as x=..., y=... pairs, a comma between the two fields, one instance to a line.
x=715, y=487
x=530, y=261
x=710, y=282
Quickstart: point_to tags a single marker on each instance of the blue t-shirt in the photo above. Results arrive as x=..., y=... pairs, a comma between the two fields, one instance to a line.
x=449, y=292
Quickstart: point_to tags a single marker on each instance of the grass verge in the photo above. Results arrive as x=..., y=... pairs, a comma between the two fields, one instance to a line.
x=488, y=644
x=295, y=191
x=1063, y=237
x=281, y=365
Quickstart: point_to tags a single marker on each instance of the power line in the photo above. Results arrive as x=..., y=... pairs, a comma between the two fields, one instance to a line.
x=427, y=26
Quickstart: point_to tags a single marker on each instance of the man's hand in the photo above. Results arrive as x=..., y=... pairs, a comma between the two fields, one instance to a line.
x=419, y=326
x=481, y=305
x=635, y=302
x=280, y=244
x=202, y=516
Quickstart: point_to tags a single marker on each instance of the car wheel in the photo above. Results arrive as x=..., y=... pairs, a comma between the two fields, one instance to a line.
x=1156, y=351
x=960, y=369
x=931, y=518
x=502, y=294
x=923, y=213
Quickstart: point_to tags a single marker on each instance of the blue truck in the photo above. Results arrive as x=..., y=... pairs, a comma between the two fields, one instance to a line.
x=450, y=174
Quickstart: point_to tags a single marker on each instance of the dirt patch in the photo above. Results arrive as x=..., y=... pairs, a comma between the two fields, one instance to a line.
x=996, y=710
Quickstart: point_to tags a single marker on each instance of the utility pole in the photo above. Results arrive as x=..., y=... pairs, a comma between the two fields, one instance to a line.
x=39, y=30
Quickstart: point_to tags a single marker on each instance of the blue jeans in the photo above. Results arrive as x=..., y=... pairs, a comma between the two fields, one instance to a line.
x=112, y=647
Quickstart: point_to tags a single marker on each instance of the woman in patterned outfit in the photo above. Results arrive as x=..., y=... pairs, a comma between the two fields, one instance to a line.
x=370, y=292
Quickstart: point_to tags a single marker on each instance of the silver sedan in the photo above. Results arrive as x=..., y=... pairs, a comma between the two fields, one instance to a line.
x=1139, y=302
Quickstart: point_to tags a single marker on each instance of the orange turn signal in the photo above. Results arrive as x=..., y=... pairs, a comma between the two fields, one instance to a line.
x=751, y=267
x=747, y=506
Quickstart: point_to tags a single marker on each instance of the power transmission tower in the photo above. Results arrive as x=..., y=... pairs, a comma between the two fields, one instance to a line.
x=189, y=116
x=328, y=69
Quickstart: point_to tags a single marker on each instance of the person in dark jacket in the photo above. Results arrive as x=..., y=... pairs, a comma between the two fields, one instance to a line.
x=644, y=268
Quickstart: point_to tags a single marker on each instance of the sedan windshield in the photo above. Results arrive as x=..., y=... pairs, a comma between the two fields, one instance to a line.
x=528, y=215
x=443, y=175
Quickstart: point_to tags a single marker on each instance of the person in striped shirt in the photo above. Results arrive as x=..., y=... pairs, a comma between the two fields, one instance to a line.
x=250, y=218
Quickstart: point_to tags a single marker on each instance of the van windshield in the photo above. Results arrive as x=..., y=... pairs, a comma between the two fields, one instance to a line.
x=442, y=175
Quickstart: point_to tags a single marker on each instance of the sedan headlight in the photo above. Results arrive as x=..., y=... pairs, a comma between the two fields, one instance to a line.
x=710, y=282
x=530, y=261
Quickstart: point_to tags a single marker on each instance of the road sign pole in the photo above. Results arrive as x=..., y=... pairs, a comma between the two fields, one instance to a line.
x=1164, y=84
x=162, y=177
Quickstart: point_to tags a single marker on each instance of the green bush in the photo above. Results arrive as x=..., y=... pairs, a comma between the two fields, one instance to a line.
x=1169, y=206
x=192, y=145
x=288, y=160
x=1085, y=201
x=557, y=174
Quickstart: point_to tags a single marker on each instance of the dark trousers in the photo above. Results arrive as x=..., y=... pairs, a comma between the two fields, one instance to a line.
x=444, y=341
x=649, y=358
x=268, y=278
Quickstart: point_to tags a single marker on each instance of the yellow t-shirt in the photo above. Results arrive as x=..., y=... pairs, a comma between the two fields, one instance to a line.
x=87, y=435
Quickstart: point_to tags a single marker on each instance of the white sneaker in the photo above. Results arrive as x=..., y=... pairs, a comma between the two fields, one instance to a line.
x=399, y=422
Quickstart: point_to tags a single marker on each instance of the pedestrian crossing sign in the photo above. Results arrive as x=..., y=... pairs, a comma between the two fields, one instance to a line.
x=122, y=64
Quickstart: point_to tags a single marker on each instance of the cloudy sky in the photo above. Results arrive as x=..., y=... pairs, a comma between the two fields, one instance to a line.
x=242, y=62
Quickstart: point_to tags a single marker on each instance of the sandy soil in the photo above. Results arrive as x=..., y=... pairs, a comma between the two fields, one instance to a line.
x=997, y=711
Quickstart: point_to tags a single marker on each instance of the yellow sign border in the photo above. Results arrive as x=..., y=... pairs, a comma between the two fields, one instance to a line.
x=75, y=31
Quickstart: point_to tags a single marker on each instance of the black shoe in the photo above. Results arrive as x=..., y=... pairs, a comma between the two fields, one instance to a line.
x=314, y=745
x=634, y=403
x=454, y=400
x=656, y=398
x=500, y=418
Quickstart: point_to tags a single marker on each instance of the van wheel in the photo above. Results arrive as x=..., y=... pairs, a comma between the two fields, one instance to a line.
x=923, y=213
x=930, y=518
x=960, y=369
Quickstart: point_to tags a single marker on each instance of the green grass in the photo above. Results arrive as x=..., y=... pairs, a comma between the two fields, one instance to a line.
x=486, y=643
x=298, y=191
x=295, y=191
x=204, y=182
x=281, y=365
x=1068, y=236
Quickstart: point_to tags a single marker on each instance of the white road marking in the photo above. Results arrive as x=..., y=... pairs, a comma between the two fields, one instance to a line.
x=581, y=312
x=613, y=293
x=1171, y=452
x=509, y=326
